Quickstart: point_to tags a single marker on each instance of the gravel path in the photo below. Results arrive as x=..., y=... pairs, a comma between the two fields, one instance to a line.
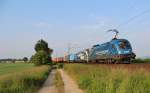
x=69, y=84
x=49, y=86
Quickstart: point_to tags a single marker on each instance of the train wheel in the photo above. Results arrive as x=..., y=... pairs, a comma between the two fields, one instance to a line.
x=93, y=61
x=116, y=62
x=109, y=61
x=112, y=61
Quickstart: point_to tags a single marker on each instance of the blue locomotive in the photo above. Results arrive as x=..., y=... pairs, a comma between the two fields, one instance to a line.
x=115, y=51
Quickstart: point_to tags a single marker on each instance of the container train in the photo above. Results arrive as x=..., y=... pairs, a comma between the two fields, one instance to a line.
x=115, y=51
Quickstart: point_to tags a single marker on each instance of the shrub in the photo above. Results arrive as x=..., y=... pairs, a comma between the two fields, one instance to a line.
x=60, y=65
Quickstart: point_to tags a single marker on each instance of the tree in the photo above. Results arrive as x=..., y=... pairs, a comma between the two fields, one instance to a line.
x=40, y=58
x=13, y=60
x=43, y=53
x=41, y=45
x=25, y=59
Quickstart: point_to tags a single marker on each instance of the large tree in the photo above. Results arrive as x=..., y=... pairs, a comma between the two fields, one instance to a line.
x=40, y=58
x=43, y=53
x=42, y=45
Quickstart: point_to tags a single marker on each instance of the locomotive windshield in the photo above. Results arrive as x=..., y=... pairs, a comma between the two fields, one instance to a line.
x=124, y=45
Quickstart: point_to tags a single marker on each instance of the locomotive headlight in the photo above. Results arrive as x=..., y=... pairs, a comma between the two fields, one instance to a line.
x=119, y=52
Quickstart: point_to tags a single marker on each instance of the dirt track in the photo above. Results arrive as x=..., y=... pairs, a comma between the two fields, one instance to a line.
x=49, y=86
x=69, y=84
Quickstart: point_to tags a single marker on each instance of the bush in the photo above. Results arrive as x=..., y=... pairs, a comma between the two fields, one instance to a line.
x=147, y=60
x=141, y=60
x=138, y=61
x=60, y=65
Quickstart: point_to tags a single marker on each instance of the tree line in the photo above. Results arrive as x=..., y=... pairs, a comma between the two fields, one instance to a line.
x=13, y=60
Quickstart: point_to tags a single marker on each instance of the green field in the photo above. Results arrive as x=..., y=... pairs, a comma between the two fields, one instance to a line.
x=105, y=78
x=8, y=68
x=21, y=77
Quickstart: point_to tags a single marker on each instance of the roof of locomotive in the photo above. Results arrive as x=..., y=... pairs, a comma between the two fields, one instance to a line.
x=112, y=41
x=117, y=40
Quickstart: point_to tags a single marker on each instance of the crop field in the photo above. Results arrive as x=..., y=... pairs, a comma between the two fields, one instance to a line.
x=7, y=68
x=111, y=78
x=22, y=78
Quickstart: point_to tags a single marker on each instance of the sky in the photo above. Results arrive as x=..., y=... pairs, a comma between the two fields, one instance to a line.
x=78, y=23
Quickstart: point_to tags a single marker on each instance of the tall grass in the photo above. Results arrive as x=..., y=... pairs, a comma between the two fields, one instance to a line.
x=110, y=79
x=27, y=81
x=59, y=82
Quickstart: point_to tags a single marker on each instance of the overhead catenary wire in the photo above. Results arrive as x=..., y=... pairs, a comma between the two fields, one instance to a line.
x=133, y=18
x=127, y=22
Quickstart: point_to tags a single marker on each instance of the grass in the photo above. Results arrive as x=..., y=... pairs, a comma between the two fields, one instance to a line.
x=22, y=78
x=59, y=65
x=129, y=78
x=141, y=60
x=6, y=68
x=59, y=82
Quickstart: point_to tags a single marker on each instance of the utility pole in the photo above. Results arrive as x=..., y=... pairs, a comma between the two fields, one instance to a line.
x=69, y=48
x=56, y=57
x=87, y=55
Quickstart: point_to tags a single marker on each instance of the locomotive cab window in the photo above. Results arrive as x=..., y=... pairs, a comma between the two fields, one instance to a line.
x=124, y=45
x=113, y=46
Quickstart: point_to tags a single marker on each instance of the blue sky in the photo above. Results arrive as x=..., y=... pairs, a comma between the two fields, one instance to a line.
x=82, y=23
